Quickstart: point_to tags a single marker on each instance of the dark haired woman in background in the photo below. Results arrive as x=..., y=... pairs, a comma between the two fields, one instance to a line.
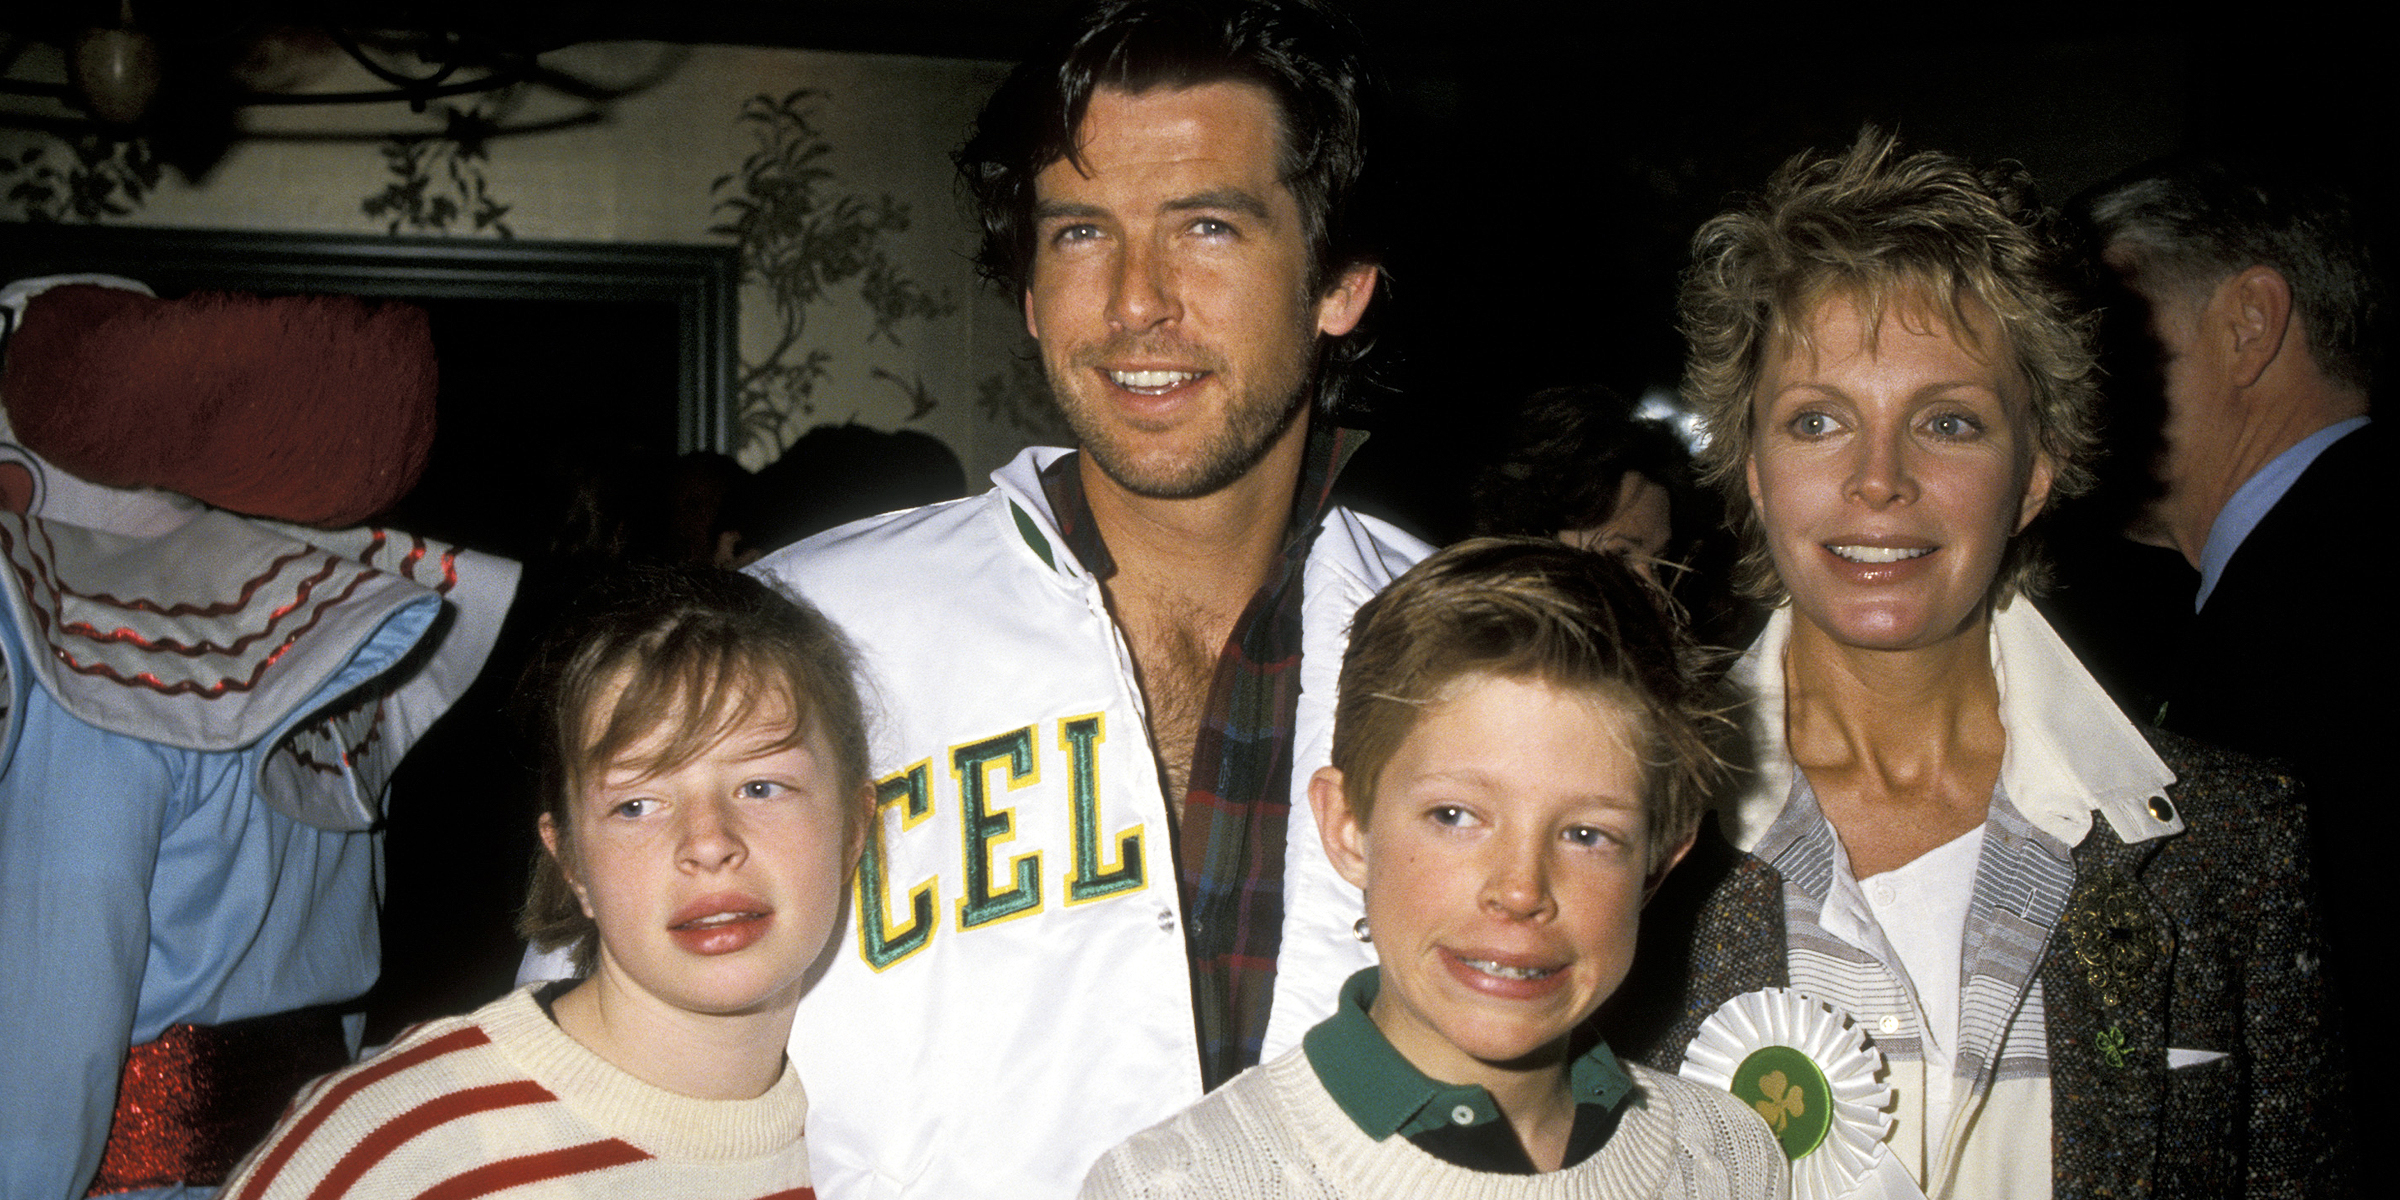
x=1585, y=466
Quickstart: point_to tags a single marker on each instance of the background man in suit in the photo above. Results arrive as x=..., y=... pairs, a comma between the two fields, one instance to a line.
x=2272, y=483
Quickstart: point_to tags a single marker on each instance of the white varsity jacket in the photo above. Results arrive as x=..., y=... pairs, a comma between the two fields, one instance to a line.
x=1013, y=997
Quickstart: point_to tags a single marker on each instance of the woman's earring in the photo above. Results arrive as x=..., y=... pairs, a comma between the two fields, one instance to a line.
x=1358, y=929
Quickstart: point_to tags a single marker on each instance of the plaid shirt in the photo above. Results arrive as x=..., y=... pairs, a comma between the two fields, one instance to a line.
x=1230, y=840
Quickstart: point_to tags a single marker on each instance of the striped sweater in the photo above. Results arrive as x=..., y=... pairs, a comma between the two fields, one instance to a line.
x=503, y=1099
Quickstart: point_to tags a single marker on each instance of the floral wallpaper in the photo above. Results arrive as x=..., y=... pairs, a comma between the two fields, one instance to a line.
x=44, y=177
x=801, y=237
x=829, y=172
x=439, y=179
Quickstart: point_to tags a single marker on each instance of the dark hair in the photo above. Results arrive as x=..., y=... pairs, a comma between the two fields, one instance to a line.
x=1557, y=467
x=1885, y=227
x=1305, y=55
x=1562, y=454
x=696, y=652
x=1531, y=608
x=2188, y=223
x=835, y=474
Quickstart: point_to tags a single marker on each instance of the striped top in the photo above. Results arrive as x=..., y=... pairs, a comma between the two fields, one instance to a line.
x=502, y=1099
x=2072, y=759
x=1985, y=1129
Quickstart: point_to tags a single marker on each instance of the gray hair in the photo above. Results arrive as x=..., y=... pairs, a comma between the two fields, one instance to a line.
x=2189, y=223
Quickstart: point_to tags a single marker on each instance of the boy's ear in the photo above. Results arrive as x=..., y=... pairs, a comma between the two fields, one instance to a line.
x=1337, y=826
x=1659, y=876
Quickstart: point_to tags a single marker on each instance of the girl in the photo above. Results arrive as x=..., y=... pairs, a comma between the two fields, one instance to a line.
x=702, y=775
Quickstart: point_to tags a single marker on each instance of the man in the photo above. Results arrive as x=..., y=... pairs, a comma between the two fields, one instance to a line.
x=2271, y=484
x=1104, y=682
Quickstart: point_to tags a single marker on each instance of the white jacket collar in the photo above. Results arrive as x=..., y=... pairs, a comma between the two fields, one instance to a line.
x=2070, y=750
x=1019, y=482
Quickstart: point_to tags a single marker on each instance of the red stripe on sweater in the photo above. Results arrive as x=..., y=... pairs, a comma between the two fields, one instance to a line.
x=535, y=1168
x=373, y=1072
x=393, y=1134
x=806, y=1193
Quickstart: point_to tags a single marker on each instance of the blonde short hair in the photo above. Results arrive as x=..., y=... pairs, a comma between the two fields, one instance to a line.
x=1884, y=227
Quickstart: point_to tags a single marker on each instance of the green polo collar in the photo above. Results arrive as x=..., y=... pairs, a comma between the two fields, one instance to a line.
x=1386, y=1094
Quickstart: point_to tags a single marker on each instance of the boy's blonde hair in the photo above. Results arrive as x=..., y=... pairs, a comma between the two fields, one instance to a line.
x=1533, y=609
x=695, y=652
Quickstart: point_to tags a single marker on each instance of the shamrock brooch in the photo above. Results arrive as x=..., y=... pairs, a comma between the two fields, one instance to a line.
x=1809, y=1073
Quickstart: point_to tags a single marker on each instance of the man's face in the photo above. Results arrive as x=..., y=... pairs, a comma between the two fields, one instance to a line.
x=1640, y=524
x=2192, y=405
x=1169, y=288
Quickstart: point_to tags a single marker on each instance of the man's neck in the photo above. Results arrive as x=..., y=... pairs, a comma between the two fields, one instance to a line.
x=2191, y=507
x=1185, y=571
x=1215, y=550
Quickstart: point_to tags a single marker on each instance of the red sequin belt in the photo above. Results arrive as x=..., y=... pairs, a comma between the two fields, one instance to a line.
x=190, y=1104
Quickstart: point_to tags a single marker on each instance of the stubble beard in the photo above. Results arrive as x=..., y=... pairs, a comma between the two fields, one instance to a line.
x=1249, y=428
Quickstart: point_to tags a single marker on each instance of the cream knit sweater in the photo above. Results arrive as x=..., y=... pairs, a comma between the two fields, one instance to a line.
x=503, y=1099
x=1275, y=1134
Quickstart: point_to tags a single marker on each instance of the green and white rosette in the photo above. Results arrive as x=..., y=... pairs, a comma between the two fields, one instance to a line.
x=1811, y=1074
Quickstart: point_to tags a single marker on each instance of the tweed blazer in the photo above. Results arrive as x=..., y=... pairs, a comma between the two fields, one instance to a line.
x=2203, y=940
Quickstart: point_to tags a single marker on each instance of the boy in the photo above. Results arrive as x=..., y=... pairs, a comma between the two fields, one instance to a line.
x=1520, y=753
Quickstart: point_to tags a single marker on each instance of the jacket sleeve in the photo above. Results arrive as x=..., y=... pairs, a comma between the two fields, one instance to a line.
x=2299, y=1113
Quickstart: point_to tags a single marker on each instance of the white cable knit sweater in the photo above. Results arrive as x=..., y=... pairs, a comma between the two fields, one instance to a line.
x=1274, y=1133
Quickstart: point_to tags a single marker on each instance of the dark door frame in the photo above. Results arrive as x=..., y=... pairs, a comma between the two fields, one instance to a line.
x=702, y=282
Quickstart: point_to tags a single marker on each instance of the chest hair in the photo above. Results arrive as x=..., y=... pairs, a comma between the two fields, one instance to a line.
x=1175, y=661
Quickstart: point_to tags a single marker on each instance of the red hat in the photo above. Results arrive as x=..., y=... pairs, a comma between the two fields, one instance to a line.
x=311, y=409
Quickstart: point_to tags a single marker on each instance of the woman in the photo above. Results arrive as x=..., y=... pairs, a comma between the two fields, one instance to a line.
x=2083, y=951
x=1583, y=465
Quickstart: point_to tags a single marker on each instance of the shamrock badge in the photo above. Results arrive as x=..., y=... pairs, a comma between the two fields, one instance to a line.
x=1807, y=1070
x=1787, y=1089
